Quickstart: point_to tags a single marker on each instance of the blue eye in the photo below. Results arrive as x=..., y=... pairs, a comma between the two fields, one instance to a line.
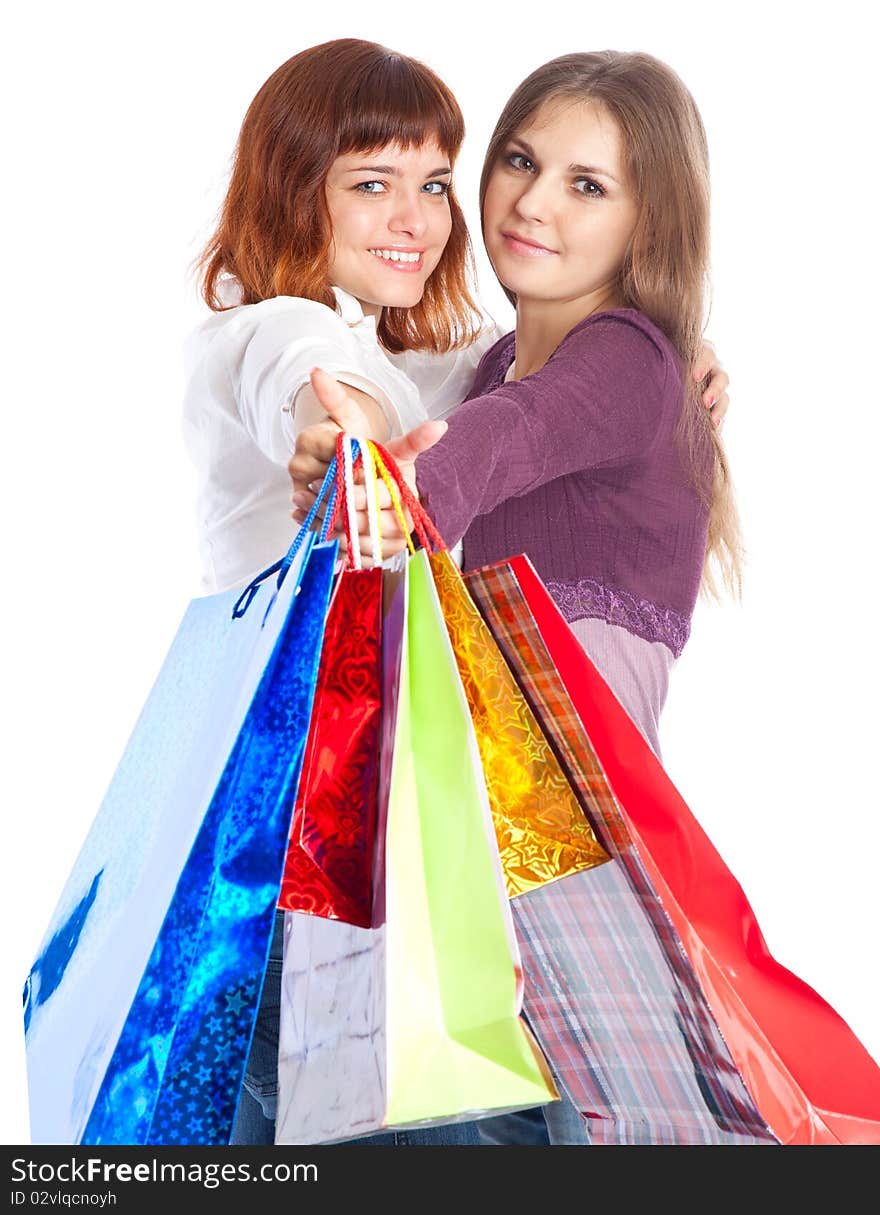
x=437, y=188
x=365, y=187
x=592, y=190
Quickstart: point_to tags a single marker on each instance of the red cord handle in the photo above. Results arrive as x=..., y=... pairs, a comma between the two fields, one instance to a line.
x=422, y=521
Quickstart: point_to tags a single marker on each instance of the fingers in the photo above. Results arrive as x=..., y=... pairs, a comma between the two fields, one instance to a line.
x=316, y=445
x=304, y=496
x=304, y=472
x=423, y=437
x=718, y=409
x=389, y=522
x=717, y=386
x=706, y=362
x=715, y=397
x=706, y=369
x=315, y=448
x=391, y=544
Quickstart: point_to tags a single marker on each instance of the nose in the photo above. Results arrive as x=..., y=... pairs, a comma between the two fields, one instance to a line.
x=535, y=201
x=409, y=216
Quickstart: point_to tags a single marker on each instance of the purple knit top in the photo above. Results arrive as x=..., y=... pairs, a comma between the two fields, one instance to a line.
x=577, y=467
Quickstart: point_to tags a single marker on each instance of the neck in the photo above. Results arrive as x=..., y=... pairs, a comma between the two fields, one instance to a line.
x=542, y=324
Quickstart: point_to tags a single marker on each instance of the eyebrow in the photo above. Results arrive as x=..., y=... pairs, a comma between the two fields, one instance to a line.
x=594, y=169
x=393, y=172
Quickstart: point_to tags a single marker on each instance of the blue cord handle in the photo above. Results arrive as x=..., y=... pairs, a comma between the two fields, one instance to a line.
x=328, y=490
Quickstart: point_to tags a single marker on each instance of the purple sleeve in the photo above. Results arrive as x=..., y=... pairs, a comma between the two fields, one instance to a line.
x=597, y=402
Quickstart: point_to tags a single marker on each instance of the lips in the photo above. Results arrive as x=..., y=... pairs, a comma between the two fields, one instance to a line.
x=524, y=246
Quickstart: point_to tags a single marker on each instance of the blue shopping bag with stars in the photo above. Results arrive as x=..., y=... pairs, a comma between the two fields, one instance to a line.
x=141, y=1003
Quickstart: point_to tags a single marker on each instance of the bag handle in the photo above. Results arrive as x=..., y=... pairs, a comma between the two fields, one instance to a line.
x=374, y=508
x=400, y=493
x=422, y=521
x=328, y=490
x=338, y=490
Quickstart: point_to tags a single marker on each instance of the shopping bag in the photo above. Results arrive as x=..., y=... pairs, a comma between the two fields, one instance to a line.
x=328, y=870
x=609, y=992
x=415, y=1020
x=769, y=1020
x=542, y=831
x=540, y=827
x=140, y=1004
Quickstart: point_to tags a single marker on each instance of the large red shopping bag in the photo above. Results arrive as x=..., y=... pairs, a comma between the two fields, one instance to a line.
x=330, y=859
x=328, y=869
x=770, y=1019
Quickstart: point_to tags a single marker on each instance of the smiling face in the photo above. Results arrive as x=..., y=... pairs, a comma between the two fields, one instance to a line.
x=559, y=212
x=391, y=221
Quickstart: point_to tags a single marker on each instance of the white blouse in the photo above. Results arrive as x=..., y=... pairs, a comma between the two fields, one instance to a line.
x=244, y=368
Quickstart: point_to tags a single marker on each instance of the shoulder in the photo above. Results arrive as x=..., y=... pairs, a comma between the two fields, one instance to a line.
x=291, y=315
x=625, y=341
x=264, y=330
x=627, y=345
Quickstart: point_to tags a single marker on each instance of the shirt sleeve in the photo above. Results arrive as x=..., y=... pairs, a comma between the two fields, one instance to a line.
x=597, y=402
x=283, y=349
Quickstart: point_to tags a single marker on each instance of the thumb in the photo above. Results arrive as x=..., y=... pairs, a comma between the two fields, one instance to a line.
x=412, y=444
x=340, y=407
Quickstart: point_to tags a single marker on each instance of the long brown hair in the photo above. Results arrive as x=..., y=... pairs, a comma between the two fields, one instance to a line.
x=665, y=273
x=274, y=234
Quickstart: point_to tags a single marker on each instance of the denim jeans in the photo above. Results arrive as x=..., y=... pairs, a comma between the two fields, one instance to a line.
x=255, y=1117
x=556, y=1123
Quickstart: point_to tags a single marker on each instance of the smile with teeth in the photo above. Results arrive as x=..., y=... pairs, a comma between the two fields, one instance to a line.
x=396, y=255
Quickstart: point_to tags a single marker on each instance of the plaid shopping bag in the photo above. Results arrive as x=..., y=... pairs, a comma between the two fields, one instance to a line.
x=750, y=1025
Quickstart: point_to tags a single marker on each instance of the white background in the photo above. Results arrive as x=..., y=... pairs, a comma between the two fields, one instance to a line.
x=120, y=123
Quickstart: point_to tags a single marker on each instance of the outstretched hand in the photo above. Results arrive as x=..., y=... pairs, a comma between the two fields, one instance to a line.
x=316, y=447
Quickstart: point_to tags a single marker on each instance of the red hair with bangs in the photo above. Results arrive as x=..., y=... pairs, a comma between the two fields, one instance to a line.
x=274, y=233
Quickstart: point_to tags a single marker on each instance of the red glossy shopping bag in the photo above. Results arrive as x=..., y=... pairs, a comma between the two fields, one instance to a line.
x=329, y=865
x=811, y=1078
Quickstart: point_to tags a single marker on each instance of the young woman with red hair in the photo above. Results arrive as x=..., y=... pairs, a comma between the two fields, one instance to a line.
x=340, y=244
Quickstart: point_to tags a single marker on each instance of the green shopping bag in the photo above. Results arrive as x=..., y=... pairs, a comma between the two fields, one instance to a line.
x=414, y=1021
x=455, y=1040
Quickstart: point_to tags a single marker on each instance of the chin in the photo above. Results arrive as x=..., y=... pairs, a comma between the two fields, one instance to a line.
x=404, y=298
x=520, y=281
